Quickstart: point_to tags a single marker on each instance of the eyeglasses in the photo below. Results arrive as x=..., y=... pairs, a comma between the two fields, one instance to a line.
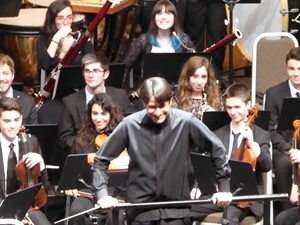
x=94, y=71
x=62, y=19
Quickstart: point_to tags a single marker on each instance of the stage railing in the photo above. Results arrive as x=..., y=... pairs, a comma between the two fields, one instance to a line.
x=10, y=221
x=170, y=204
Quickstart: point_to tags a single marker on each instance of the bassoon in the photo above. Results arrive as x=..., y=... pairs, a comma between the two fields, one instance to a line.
x=48, y=88
x=225, y=41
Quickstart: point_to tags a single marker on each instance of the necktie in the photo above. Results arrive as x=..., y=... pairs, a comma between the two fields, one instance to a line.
x=298, y=94
x=12, y=182
x=235, y=142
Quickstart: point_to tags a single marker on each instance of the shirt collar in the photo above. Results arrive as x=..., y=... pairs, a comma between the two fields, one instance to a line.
x=293, y=89
x=89, y=96
x=5, y=142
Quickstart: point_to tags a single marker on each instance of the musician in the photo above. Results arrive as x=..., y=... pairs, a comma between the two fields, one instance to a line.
x=56, y=36
x=95, y=71
x=197, y=88
x=7, y=75
x=157, y=140
x=237, y=103
x=282, y=140
x=30, y=152
x=290, y=216
x=204, y=23
x=101, y=116
x=158, y=39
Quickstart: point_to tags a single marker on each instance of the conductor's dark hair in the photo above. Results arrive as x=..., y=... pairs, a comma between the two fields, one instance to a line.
x=157, y=87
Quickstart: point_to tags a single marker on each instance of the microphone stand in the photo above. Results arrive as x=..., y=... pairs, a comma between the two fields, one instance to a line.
x=231, y=4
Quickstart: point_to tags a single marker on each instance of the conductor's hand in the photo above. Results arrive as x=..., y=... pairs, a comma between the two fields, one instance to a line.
x=222, y=198
x=61, y=33
x=73, y=193
x=107, y=202
x=32, y=158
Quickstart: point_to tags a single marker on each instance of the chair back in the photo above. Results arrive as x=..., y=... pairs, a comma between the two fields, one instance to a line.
x=268, y=64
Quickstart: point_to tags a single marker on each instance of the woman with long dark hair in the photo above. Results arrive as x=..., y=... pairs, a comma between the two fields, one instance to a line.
x=56, y=36
x=100, y=118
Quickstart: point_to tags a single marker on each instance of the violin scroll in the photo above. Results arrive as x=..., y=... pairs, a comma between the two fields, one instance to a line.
x=296, y=125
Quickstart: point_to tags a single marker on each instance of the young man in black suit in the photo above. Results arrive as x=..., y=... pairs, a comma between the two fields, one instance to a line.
x=282, y=140
x=95, y=69
x=7, y=75
x=13, y=149
x=237, y=103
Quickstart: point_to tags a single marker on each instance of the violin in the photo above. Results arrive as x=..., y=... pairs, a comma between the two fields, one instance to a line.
x=244, y=153
x=296, y=166
x=29, y=177
x=99, y=141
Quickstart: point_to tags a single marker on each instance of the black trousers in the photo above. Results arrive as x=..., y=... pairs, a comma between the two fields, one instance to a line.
x=288, y=217
x=38, y=217
x=234, y=214
x=203, y=17
x=159, y=222
x=283, y=170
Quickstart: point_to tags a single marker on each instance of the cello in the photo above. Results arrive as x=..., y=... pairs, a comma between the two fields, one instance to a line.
x=244, y=153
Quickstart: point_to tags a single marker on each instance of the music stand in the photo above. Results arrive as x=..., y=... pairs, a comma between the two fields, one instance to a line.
x=167, y=65
x=10, y=8
x=290, y=111
x=47, y=135
x=77, y=168
x=217, y=119
x=242, y=175
x=231, y=4
x=71, y=80
x=16, y=205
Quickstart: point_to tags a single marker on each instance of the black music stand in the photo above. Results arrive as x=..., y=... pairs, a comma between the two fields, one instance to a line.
x=217, y=119
x=242, y=175
x=290, y=111
x=10, y=8
x=71, y=80
x=16, y=205
x=78, y=174
x=47, y=135
x=231, y=4
x=167, y=65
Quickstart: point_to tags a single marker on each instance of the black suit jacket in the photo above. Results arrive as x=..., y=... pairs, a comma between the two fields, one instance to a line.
x=274, y=99
x=263, y=164
x=32, y=145
x=75, y=105
x=29, y=110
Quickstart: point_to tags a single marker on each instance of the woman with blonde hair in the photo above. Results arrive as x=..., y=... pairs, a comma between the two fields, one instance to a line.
x=197, y=88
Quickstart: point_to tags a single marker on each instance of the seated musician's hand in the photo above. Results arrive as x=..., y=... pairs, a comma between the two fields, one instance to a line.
x=295, y=155
x=32, y=158
x=222, y=198
x=73, y=193
x=195, y=193
x=294, y=194
x=107, y=202
x=61, y=33
x=208, y=108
